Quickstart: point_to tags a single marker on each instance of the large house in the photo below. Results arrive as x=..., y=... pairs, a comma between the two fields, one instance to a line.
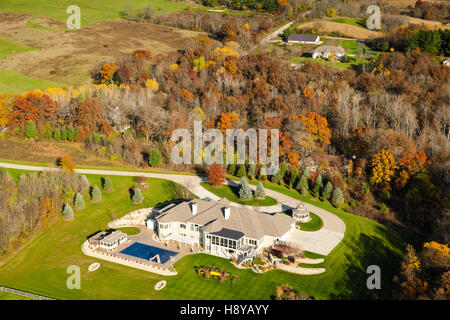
x=325, y=51
x=303, y=38
x=220, y=229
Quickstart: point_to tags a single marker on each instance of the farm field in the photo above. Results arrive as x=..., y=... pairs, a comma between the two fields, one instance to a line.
x=91, y=11
x=39, y=267
x=66, y=58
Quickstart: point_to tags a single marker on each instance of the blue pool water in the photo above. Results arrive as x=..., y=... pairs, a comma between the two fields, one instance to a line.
x=144, y=251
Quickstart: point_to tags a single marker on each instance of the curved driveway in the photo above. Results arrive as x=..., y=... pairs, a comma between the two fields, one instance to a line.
x=322, y=241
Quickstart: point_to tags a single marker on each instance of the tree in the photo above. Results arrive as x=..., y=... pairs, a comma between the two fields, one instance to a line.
x=293, y=178
x=276, y=178
x=302, y=185
x=64, y=134
x=107, y=185
x=155, y=158
x=252, y=171
x=318, y=186
x=326, y=193
x=57, y=134
x=68, y=212
x=232, y=169
x=48, y=131
x=91, y=116
x=66, y=163
x=96, y=194
x=79, y=202
x=216, y=175
x=260, y=193
x=383, y=166
x=228, y=32
x=245, y=192
x=284, y=169
x=338, y=198
x=30, y=130
x=137, y=198
x=241, y=171
x=70, y=133
x=262, y=173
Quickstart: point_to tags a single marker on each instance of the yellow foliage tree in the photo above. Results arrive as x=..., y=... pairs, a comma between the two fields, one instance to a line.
x=383, y=166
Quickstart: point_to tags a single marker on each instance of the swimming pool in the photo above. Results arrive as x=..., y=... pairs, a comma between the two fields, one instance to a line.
x=146, y=252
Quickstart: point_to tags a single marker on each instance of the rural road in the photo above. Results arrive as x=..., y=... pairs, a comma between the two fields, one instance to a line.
x=322, y=241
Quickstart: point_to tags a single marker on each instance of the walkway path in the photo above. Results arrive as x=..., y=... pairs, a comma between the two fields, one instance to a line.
x=322, y=241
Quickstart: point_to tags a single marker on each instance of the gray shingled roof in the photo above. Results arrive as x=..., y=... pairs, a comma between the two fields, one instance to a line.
x=329, y=48
x=303, y=37
x=210, y=215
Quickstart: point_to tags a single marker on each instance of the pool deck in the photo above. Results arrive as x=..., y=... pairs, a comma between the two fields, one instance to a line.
x=146, y=236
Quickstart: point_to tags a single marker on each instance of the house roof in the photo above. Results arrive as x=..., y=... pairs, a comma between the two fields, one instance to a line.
x=303, y=37
x=210, y=215
x=113, y=237
x=329, y=48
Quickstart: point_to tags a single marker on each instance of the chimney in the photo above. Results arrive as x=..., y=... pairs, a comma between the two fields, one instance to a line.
x=194, y=208
x=226, y=212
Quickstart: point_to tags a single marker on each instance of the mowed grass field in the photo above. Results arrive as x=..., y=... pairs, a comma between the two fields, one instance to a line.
x=8, y=48
x=15, y=82
x=40, y=266
x=91, y=11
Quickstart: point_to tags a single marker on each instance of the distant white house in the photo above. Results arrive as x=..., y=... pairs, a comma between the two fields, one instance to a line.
x=446, y=62
x=304, y=38
x=325, y=51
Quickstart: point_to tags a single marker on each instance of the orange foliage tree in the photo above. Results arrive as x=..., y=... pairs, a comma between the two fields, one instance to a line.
x=91, y=116
x=226, y=120
x=216, y=175
x=409, y=165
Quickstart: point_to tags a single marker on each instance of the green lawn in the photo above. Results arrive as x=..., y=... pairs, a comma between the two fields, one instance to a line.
x=313, y=225
x=8, y=48
x=335, y=64
x=351, y=21
x=91, y=11
x=15, y=82
x=232, y=193
x=130, y=230
x=40, y=266
x=10, y=296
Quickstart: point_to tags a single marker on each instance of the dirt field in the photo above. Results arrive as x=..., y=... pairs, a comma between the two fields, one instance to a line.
x=71, y=55
x=343, y=29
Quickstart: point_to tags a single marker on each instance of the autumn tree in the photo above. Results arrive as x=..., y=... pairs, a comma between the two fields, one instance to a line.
x=216, y=175
x=91, y=116
x=228, y=32
x=383, y=168
x=66, y=163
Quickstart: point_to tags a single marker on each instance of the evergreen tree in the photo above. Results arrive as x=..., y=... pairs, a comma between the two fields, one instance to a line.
x=284, y=170
x=326, y=194
x=107, y=185
x=338, y=198
x=138, y=198
x=318, y=186
x=155, y=158
x=293, y=178
x=48, y=131
x=276, y=178
x=96, y=138
x=30, y=130
x=302, y=185
x=306, y=174
x=68, y=212
x=262, y=173
x=260, y=193
x=96, y=194
x=79, y=202
x=57, y=134
x=252, y=171
x=232, y=169
x=64, y=133
x=245, y=192
x=70, y=133
x=241, y=171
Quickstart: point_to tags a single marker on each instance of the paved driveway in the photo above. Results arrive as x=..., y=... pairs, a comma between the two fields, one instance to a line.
x=322, y=241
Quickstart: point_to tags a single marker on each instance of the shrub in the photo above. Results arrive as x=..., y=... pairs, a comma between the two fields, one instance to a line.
x=96, y=138
x=107, y=185
x=262, y=173
x=30, y=130
x=276, y=178
x=241, y=171
x=68, y=212
x=216, y=175
x=155, y=158
x=384, y=208
x=137, y=198
x=338, y=198
x=245, y=192
x=48, y=131
x=79, y=202
x=70, y=133
x=64, y=134
x=260, y=193
x=96, y=194
x=252, y=171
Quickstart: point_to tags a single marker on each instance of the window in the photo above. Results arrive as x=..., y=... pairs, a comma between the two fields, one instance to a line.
x=182, y=226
